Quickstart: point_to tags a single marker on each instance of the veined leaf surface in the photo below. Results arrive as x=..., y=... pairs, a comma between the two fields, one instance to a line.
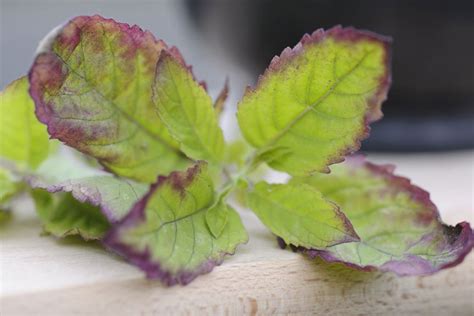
x=298, y=214
x=64, y=172
x=315, y=101
x=92, y=85
x=187, y=110
x=399, y=227
x=167, y=233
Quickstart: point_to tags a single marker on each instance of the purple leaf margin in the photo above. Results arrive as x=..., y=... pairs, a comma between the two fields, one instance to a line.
x=143, y=259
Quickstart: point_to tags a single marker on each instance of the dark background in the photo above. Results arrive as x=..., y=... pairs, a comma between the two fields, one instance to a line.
x=431, y=103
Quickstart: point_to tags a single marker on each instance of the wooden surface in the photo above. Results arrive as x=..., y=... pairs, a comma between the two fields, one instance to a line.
x=45, y=276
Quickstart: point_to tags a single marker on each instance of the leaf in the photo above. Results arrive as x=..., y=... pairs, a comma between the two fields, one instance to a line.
x=24, y=140
x=64, y=172
x=8, y=186
x=216, y=218
x=300, y=215
x=221, y=98
x=91, y=82
x=187, y=110
x=63, y=215
x=315, y=101
x=399, y=227
x=166, y=233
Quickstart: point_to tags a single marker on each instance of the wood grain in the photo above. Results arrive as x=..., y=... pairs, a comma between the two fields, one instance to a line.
x=44, y=276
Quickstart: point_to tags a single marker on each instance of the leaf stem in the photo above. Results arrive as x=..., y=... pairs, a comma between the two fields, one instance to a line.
x=250, y=165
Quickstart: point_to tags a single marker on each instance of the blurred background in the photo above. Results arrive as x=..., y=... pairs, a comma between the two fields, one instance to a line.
x=431, y=103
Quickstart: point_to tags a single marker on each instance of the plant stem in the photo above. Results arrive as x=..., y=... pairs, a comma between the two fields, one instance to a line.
x=249, y=166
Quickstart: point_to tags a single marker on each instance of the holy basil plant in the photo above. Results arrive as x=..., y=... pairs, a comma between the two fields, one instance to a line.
x=119, y=98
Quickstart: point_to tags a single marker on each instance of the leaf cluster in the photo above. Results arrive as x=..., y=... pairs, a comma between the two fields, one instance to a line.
x=115, y=96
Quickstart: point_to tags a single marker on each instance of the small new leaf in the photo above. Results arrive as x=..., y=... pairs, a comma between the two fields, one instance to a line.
x=92, y=85
x=187, y=110
x=299, y=215
x=167, y=234
x=315, y=101
x=399, y=227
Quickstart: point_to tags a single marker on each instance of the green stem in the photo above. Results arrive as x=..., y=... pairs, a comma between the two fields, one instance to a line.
x=250, y=165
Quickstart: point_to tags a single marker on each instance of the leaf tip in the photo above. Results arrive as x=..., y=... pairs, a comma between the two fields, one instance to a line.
x=219, y=103
x=350, y=233
x=353, y=35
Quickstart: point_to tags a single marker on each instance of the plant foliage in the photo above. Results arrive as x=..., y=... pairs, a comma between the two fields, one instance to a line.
x=129, y=102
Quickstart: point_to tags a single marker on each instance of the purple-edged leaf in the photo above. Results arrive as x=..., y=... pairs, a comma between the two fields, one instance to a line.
x=73, y=198
x=91, y=82
x=300, y=215
x=64, y=172
x=399, y=227
x=166, y=233
x=314, y=103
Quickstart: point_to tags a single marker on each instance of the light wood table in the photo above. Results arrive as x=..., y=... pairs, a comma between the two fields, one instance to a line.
x=44, y=276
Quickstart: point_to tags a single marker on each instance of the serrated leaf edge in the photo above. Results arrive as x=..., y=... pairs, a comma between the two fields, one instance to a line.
x=465, y=237
x=142, y=260
x=338, y=33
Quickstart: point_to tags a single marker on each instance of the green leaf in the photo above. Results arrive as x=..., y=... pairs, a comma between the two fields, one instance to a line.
x=63, y=215
x=65, y=172
x=314, y=102
x=92, y=85
x=24, y=140
x=8, y=186
x=299, y=215
x=187, y=110
x=216, y=218
x=399, y=227
x=166, y=233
